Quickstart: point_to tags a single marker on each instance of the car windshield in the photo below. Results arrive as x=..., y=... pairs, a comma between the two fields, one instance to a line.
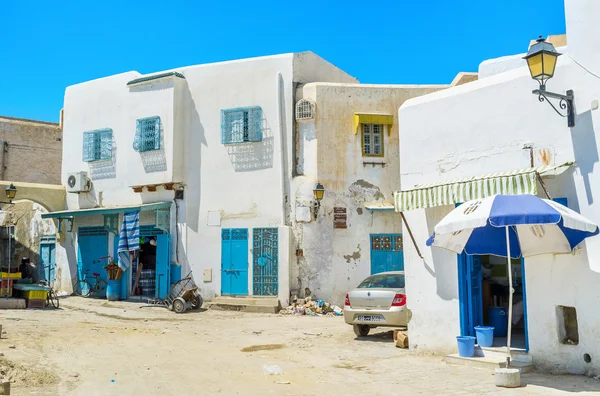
x=390, y=281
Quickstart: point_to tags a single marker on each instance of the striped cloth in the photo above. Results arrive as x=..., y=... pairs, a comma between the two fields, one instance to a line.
x=129, y=238
x=517, y=182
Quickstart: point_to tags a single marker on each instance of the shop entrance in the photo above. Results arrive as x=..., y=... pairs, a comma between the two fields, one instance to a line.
x=483, y=295
x=154, y=279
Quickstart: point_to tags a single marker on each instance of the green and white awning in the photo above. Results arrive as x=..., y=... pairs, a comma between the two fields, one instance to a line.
x=522, y=181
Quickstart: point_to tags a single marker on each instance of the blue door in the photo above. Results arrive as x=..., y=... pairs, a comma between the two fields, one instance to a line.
x=163, y=265
x=386, y=253
x=124, y=275
x=92, y=246
x=234, y=261
x=265, y=262
x=47, y=265
x=470, y=293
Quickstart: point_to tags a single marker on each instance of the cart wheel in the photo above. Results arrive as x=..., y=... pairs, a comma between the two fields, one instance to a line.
x=179, y=305
x=196, y=301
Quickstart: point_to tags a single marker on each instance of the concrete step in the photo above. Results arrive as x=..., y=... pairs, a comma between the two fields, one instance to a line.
x=487, y=363
x=246, y=304
x=499, y=353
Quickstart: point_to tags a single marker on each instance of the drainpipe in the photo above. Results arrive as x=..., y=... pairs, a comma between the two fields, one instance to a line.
x=280, y=110
x=4, y=154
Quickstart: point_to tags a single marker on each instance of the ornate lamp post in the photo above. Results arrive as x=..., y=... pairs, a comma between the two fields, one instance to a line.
x=318, y=193
x=541, y=60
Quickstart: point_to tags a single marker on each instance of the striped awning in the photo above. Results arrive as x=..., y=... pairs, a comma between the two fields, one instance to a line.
x=522, y=181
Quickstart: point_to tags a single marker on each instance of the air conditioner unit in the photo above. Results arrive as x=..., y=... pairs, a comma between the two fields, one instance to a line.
x=78, y=182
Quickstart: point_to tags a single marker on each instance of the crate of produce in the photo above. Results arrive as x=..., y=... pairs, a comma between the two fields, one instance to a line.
x=13, y=275
x=36, y=303
x=4, y=283
x=36, y=294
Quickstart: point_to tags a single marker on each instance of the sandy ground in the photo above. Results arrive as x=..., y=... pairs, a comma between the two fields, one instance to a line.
x=92, y=347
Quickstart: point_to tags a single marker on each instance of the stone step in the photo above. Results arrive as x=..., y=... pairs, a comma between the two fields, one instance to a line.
x=488, y=363
x=246, y=304
x=499, y=353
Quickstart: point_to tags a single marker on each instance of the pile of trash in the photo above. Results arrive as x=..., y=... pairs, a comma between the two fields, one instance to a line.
x=308, y=306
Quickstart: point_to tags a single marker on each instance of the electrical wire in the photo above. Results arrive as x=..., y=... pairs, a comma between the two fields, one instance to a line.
x=583, y=67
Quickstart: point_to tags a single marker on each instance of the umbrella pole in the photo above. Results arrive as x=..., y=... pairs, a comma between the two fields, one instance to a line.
x=510, y=298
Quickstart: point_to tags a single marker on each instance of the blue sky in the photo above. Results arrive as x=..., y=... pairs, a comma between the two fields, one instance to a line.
x=46, y=46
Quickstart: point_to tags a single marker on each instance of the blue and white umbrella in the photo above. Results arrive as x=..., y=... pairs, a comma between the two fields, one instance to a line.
x=535, y=226
x=511, y=226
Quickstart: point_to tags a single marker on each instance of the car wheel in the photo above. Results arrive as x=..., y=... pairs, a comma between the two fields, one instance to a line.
x=361, y=330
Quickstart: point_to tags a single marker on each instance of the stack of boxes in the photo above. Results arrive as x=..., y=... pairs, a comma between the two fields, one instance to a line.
x=36, y=298
x=6, y=283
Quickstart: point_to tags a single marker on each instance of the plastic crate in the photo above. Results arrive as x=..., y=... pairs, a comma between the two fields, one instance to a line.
x=14, y=275
x=4, y=283
x=36, y=294
x=36, y=303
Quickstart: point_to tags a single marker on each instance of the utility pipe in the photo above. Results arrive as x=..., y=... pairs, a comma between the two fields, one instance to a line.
x=280, y=110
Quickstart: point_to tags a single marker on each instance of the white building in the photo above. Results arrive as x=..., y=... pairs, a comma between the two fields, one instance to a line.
x=222, y=159
x=486, y=127
x=205, y=153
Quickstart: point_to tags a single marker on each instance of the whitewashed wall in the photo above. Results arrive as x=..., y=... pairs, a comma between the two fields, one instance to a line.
x=246, y=184
x=480, y=128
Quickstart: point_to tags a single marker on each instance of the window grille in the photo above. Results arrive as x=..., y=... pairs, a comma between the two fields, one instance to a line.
x=305, y=110
x=373, y=140
x=97, y=145
x=147, y=134
x=241, y=125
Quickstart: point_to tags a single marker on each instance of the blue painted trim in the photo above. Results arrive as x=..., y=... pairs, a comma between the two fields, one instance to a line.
x=526, y=321
x=106, y=211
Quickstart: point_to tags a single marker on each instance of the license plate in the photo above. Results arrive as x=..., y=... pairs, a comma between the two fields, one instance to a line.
x=370, y=318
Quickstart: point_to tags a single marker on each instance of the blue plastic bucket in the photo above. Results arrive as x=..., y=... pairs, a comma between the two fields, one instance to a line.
x=466, y=346
x=113, y=290
x=499, y=321
x=485, y=336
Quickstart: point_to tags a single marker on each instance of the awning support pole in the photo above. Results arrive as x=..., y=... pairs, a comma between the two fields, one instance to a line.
x=510, y=298
x=539, y=178
x=411, y=234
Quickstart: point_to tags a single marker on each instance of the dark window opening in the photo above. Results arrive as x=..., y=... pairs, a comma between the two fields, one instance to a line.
x=568, y=331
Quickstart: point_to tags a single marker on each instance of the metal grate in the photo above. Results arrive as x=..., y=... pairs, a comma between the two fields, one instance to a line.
x=149, y=231
x=373, y=140
x=241, y=125
x=147, y=134
x=239, y=234
x=398, y=243
x=305, y=110
x=97, y=145
x=265, y=262
x=100, y=230
x=388, y=243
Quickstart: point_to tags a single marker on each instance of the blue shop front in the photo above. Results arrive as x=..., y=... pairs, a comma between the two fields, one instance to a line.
x=95, y=232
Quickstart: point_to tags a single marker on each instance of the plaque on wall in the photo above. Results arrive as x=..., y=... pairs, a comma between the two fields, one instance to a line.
x=340, y=217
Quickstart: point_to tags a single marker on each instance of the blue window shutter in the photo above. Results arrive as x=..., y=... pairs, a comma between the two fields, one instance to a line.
x=88, y=146
x=241, y=125
x=147, y=134
x=105, y=144
x=157, y=133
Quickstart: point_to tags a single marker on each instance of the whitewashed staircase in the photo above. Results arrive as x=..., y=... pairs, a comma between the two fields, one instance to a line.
x=493, y=358
x=246, y=304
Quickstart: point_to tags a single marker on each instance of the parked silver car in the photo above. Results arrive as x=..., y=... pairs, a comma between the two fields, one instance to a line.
x=379, y=300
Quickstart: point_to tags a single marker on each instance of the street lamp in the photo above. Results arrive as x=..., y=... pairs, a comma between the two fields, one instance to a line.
x=11, y=192
x=318, y=193
x=541, y=60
